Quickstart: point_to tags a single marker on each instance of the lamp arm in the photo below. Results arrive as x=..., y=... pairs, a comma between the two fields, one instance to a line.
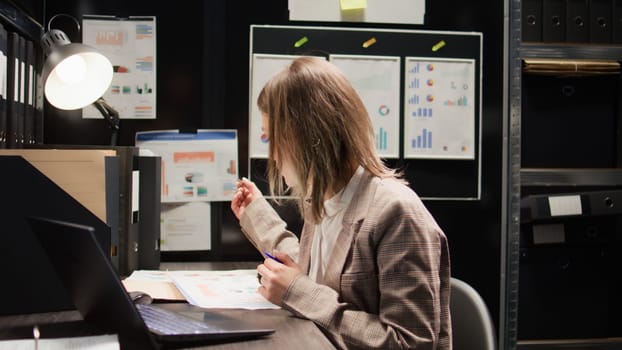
x=111, y=115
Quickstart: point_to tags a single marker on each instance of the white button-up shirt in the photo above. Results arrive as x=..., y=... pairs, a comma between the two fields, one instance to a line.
x=328, y=229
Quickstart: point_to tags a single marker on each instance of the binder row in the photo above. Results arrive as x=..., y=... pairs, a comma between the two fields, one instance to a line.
x=21, y=121
x=572, y=21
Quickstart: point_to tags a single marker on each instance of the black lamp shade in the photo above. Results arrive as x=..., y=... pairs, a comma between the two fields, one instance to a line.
x=74, y=75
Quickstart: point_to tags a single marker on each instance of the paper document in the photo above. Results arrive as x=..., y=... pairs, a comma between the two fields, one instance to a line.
x=201, y=166
x=440, y=110
x=222, y=289
x=156, y=283
x=130, y=45
x=98, y=342
x=185, y=226
x=377, y=81
x=373, y=11
x=230, y=289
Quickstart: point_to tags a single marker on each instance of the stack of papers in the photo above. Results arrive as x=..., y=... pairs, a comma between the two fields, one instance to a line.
x=229, y=289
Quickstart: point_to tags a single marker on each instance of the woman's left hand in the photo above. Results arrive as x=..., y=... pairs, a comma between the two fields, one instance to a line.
x=276, y=277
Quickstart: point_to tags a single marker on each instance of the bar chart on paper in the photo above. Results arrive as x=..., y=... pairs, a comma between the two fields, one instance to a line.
x=423, y=140
x=422, y=112
x=381, y=139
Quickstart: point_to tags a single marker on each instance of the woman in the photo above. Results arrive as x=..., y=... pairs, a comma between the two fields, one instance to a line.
x=371, y=268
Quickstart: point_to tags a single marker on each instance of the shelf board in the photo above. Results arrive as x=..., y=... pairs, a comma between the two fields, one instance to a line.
x=14, y=18
x=576, y=344
x=576, y=51
x=571, y=177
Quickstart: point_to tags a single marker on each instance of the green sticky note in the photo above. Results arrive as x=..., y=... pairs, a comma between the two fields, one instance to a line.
x=353, y=4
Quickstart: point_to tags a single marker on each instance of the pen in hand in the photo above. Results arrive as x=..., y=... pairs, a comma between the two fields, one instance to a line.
x=271, y=257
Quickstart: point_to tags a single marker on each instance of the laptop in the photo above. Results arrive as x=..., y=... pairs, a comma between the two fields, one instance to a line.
x=98, y=294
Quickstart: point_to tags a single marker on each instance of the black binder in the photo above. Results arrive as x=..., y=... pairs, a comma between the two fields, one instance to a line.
x=113, y=194
x=38, y=102
x=577, y=21
x=554, y=20
x=29, y=102
x=3, y=95
x=616, y=22
x=531, y=20
x=13, y=86
x=149, y=212
x=600, y=21
x=21, y=105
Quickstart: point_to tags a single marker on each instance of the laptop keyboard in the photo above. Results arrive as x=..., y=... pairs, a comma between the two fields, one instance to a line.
x=169, y=322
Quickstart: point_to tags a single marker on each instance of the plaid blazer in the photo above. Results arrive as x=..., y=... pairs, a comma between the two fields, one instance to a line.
x=387, y=284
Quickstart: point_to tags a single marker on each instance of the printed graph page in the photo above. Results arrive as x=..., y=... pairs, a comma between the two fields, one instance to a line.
x=377, y=81
x=204, y=288
x=221, y=289
x=439, y=108
x=130, y=45
x=196, y=167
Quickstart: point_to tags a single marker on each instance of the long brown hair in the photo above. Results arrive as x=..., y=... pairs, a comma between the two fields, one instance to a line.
x=316, y=118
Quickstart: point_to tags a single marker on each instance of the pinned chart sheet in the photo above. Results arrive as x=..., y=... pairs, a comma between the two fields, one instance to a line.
x=130, y=45
x=196, y=167
x=264, y=67
x=377, y=81
x=439, y=108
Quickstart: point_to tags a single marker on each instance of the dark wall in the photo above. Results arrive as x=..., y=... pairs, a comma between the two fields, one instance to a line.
x=202, y=72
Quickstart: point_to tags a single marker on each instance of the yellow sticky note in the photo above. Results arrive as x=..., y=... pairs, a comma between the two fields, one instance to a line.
x=353, y=4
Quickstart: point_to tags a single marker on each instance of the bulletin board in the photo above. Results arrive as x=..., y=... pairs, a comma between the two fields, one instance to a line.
x=422, y=90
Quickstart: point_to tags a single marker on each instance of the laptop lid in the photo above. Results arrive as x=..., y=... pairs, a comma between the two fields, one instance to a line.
x=98, y=293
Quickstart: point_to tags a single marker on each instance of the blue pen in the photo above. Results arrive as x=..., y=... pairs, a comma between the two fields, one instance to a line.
x=272, y=257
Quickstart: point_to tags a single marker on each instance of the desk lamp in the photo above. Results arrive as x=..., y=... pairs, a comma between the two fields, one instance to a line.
x=76, y=75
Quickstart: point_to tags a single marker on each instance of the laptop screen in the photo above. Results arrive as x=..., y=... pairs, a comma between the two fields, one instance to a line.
x=91, y=280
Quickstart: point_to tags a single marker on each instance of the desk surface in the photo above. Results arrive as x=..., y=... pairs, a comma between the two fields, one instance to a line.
x=290, y=332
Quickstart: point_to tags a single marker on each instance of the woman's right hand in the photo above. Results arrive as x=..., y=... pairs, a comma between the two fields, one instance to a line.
x=246, y=193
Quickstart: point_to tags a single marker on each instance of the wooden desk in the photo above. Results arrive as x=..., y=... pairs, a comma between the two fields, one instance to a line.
x=290, y=332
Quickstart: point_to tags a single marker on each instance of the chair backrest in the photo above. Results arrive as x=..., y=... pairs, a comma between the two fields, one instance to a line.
x=472, y=327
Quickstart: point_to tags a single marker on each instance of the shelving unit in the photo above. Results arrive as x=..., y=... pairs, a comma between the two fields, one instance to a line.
x=563, y=267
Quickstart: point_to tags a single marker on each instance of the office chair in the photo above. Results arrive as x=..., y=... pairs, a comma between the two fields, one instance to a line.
x=471, y=323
